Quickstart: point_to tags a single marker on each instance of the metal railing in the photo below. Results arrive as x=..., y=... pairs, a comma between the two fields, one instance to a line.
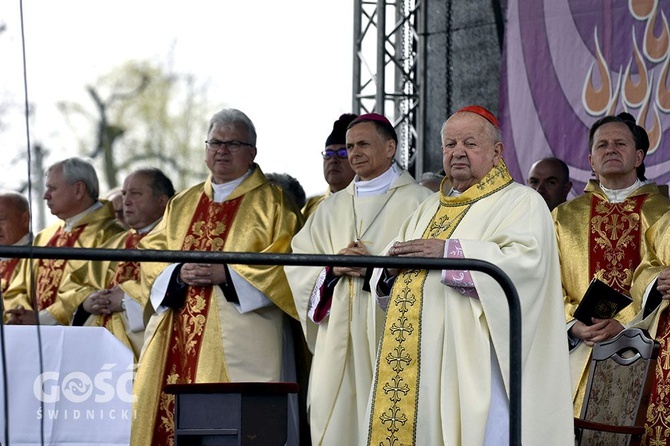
x=243, y=258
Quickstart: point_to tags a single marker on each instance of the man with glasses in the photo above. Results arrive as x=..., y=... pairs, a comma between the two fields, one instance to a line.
x=341, y=321
x=216, y=322
x=336, y=168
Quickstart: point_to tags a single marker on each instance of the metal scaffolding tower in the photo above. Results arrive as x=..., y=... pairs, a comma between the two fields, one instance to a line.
x=418, y=61
x=388, y=70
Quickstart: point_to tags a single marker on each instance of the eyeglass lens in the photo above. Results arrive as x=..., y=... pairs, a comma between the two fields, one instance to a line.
x=232, y=146
x=341, y=153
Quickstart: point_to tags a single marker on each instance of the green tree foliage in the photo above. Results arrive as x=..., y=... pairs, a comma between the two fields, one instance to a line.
x=145, y=115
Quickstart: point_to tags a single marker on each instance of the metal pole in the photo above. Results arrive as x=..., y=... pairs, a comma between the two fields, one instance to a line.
x=381, y=58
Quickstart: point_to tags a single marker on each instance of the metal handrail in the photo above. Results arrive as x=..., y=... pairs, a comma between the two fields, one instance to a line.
x=245, y=258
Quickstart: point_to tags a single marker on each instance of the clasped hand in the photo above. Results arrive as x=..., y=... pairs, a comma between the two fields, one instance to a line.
x=202, y=274
x=21, y=316
x=601, y=330
x=104, y=302
x=355, y=248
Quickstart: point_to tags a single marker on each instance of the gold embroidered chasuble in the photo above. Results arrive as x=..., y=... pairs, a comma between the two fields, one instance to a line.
x=434, y=378
x=8, y=267
x=598, y=238
x=657, y=258
x=128, y=270
x=345, y=342
x=93, y=276
x=7, y=270
x=218, y=342
x=90, y=232
x=50, y=271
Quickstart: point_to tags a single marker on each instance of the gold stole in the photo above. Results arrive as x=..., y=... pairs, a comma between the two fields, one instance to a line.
x=394, y=405
x=7, y=268
x=50, y=271
x=124, y=271
x=207, y=232
x=614, y=241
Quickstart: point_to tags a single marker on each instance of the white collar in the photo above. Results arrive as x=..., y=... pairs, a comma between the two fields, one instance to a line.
x=379, y=185
x=149, y=227
x=223, y=190
x=619, y=195
x=71, y=222
x=25, y=240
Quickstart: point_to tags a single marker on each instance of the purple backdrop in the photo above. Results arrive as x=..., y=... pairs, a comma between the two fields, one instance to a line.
x=566, y=63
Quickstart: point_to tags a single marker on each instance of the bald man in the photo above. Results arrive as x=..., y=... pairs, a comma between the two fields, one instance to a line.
x=551, y=178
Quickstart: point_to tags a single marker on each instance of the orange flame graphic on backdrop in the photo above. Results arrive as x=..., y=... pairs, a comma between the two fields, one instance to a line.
x=662, y=91
x=656, y=48
x=642, y=9
x=637, y=91
x=597, y=100
x=634, y=93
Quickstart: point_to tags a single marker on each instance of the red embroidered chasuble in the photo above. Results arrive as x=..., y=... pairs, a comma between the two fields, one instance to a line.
x=128, y=270
x=614, y=242
x=125, y=270
x=7, y=268
x=50, y=271
x=207, y=232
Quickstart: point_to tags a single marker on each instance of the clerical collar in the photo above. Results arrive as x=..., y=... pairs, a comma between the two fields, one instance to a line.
x=71, y=223
x=454, y=193
x=23, y=241
x=619, y=195
x=223, y=190
x=146, y=229
x=379, y=185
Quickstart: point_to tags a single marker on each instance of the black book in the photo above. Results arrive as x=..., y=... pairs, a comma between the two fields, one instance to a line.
x=600, y=301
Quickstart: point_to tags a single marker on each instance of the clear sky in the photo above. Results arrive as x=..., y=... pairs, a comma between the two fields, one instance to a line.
x=287, y=64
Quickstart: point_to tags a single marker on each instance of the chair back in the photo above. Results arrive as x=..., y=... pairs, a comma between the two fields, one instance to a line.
x=619, y=384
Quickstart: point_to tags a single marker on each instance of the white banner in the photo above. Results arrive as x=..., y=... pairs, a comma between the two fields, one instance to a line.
x=81, y=396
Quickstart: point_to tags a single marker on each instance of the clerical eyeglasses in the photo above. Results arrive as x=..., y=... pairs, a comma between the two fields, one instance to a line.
x=328, y=153
x=233, y=146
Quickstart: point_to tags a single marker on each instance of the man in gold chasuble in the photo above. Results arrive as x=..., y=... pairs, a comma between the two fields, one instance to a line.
x=442, y=374
x=14, y=231
x=340, y=319
x=215, y=322
x=601, y=234
x=110, y=289
x=85, y=222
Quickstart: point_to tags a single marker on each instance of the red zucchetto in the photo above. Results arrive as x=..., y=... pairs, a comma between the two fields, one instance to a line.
x=481, y=111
